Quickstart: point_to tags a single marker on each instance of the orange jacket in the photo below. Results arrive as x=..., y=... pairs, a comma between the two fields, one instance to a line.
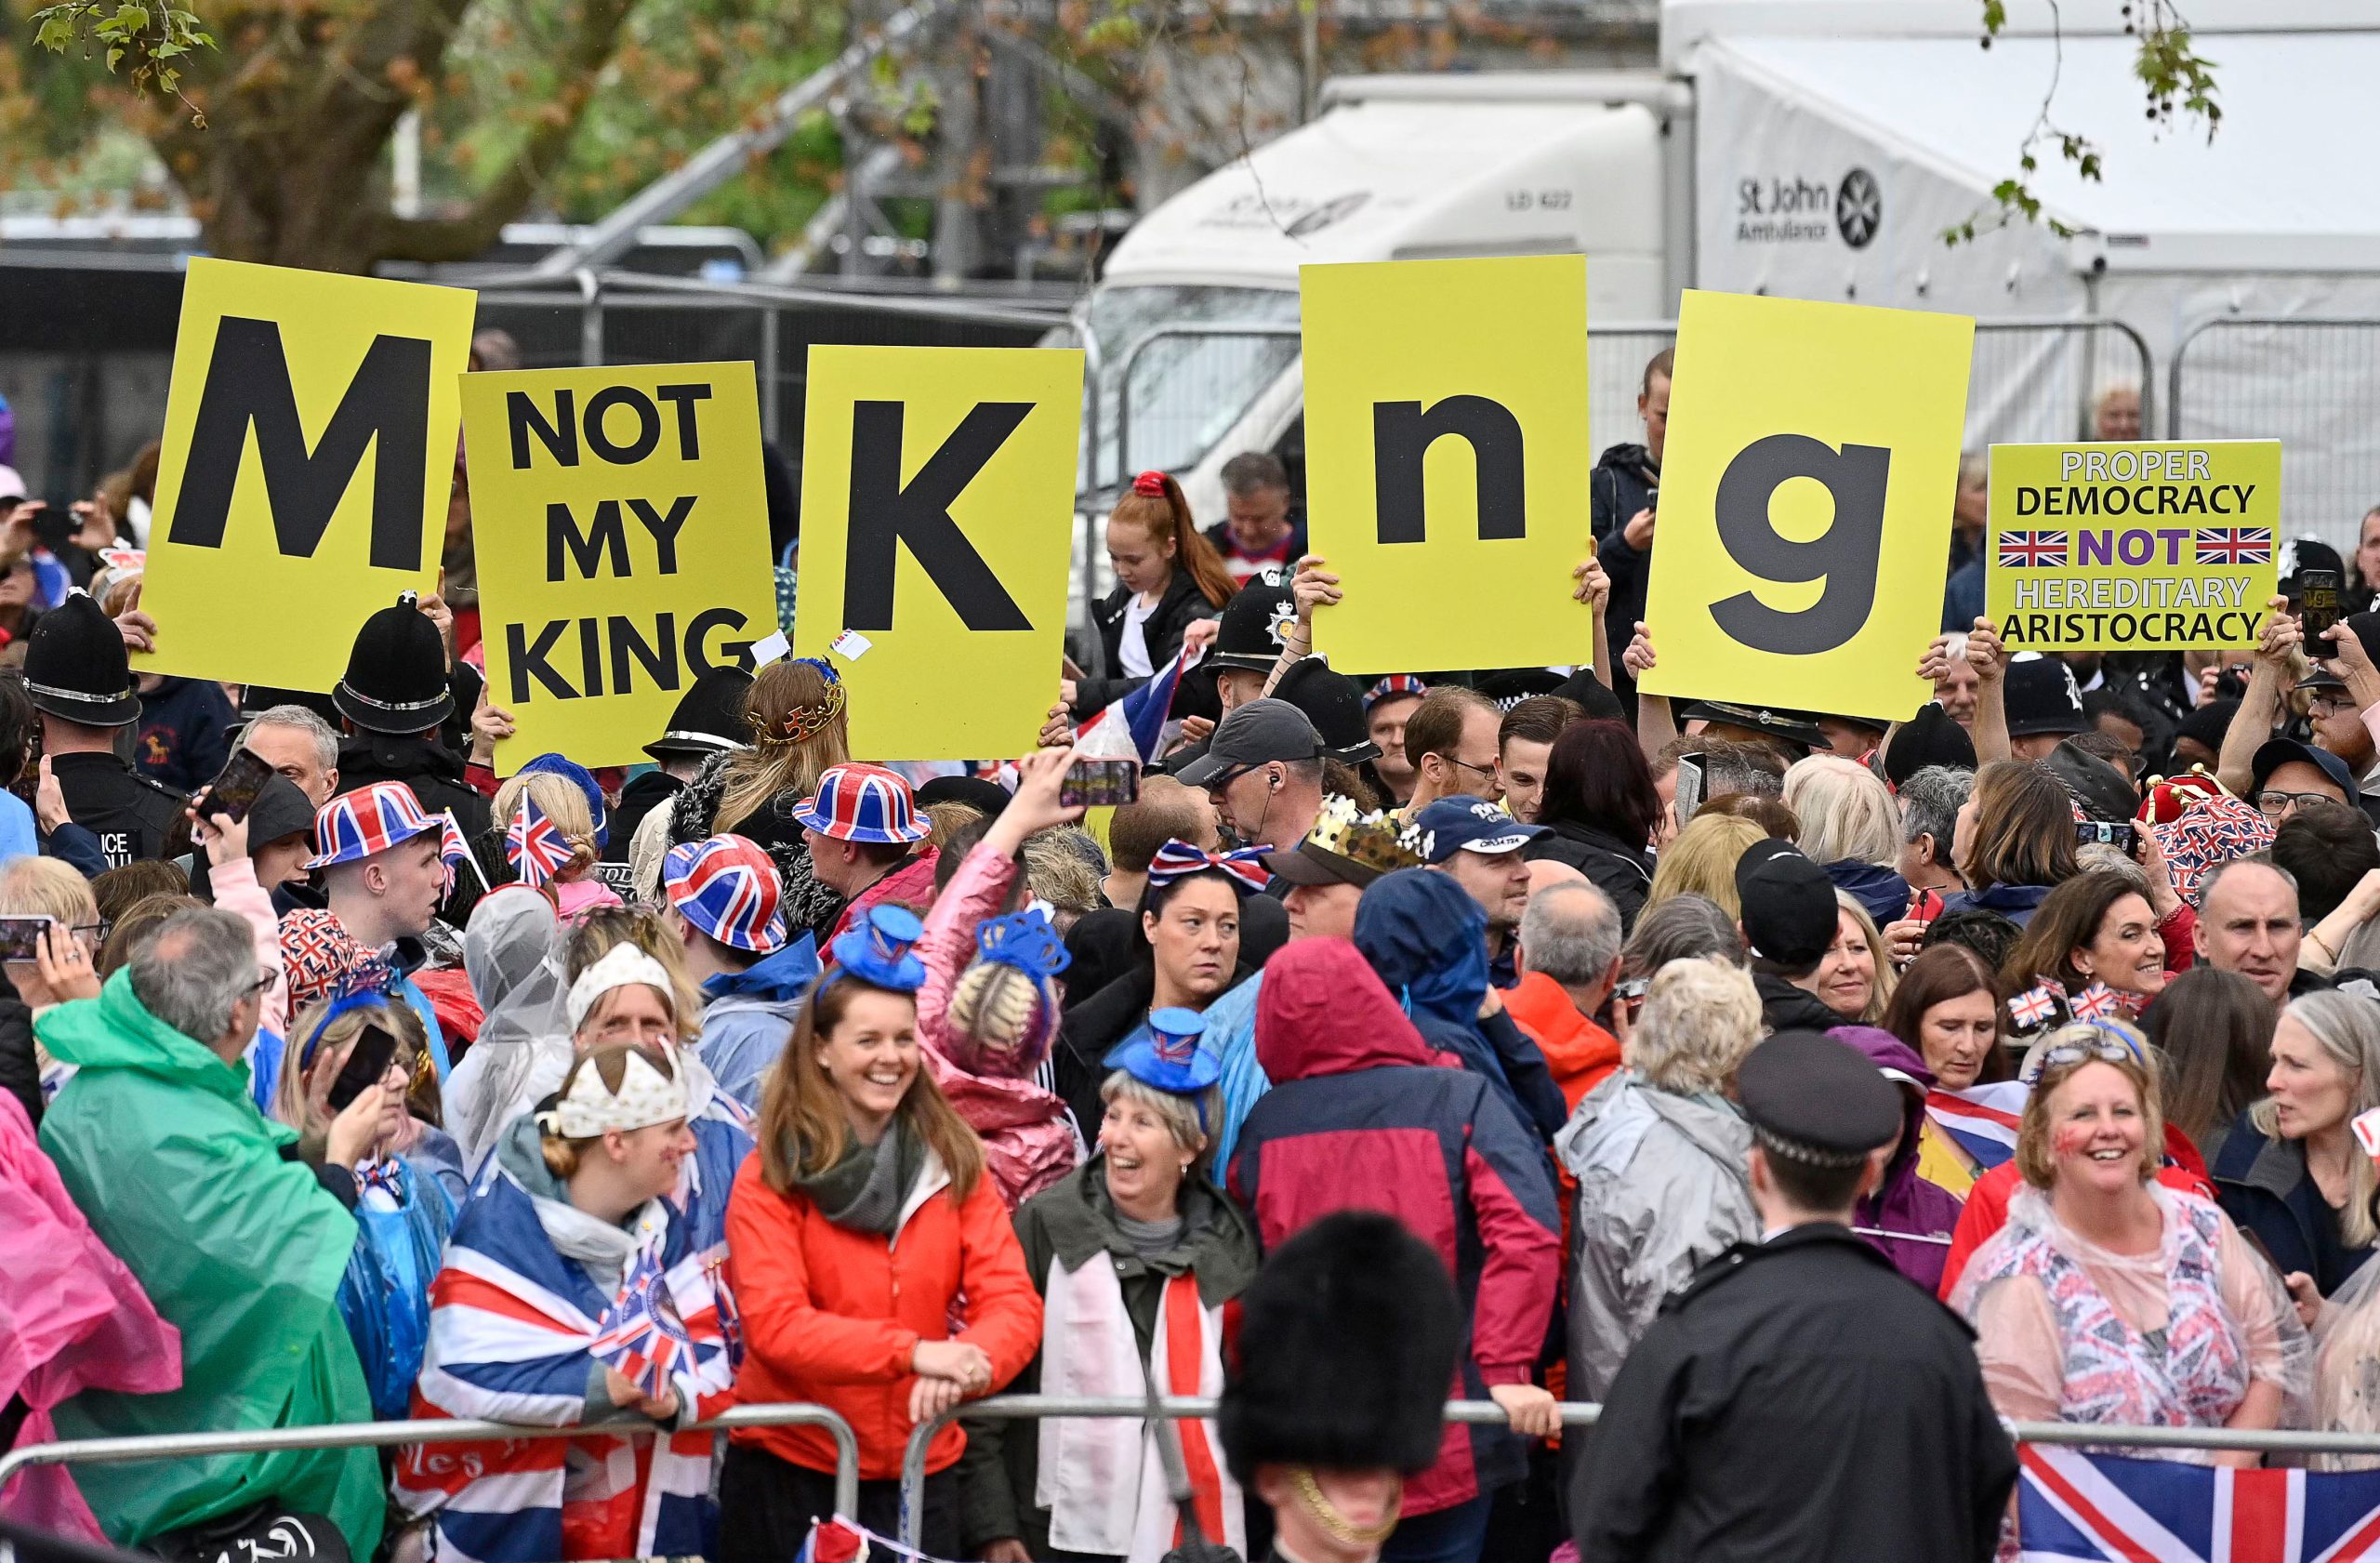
x=831, y=1315
x=1578, y=1052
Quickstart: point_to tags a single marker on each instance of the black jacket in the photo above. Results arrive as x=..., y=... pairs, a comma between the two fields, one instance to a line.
x=433, y=772
x=1797, y=1402
x=640, y=797
x=1622, y=483
x=1622, y=872
x=2263, y=1186
x=19, y=1065
x=1784, y=1007
x=133, y=817
x=1183, y=602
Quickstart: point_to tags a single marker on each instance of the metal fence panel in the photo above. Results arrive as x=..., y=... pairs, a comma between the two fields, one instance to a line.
x=2307, y=382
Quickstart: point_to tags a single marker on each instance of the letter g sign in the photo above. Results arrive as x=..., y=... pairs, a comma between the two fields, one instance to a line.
x=1844, y=556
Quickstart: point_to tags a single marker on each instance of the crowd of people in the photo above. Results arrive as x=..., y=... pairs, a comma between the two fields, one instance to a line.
x=1738, y=1069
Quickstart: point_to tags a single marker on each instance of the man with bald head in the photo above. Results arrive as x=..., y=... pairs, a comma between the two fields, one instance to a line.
x=2248, y=923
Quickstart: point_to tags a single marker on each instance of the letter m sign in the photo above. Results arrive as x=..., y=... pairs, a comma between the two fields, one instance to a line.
x=385, y=409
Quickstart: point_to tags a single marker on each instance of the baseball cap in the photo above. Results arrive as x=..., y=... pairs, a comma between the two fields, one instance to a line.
x=2278, y=752
x=1788, y=906
x=1460, y=822
x=1253, y=735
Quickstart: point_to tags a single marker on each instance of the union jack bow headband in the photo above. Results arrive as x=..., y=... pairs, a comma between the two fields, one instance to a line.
x=1023, y=940
x=1178, y=859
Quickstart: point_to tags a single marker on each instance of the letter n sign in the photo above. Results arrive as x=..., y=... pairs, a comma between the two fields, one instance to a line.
x=937, y=496
x=1448, y=458
x=307, y=465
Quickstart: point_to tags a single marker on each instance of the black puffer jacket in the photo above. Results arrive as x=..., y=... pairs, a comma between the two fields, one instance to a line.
x=810, y=904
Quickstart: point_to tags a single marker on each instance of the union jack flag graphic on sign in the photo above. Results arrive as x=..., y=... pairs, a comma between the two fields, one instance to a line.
x=2032, y=550
x=2072, y=1505
x=2235, y=545
x=641, y=1334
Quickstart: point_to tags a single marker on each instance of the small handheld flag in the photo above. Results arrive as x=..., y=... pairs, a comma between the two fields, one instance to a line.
x=642, y=1335
x=454, y=850
x=532, y=845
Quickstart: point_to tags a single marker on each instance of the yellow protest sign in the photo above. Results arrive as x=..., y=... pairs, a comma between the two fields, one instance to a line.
x=1446, y=459
x=2140, y=546
x=623, y=544
x=1802, y=533
x=308, y=456
x=937, y=504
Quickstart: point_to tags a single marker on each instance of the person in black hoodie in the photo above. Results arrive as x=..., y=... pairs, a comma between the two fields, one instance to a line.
x=394, y=697
x=1166, y=576
x=1788, y=921
x=1622, y=490
x=1599, y=809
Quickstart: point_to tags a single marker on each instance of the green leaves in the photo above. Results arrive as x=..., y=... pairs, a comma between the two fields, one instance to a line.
x=149, y=38
x=2171, y=71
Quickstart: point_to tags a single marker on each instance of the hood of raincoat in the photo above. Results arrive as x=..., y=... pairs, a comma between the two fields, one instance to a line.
x=1427, y=939
x=777, y=981
x=116, y=1032
x=1906, y=1203
x=512, y=931
x=1323, y=1011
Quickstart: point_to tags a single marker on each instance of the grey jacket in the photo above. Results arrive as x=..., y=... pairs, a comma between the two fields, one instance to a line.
x=1662, y=1191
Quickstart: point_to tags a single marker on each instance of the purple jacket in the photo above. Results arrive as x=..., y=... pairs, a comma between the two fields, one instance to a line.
x=1907, y=1203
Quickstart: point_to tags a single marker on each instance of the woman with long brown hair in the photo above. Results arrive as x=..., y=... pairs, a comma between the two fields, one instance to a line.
x=1166, y=575
x=2016, y=839
x=1946, y=1009
x=852, y=1234
x=799, y=728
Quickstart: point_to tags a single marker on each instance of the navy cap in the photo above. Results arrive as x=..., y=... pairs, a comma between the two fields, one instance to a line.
x=1460, y=822
x=1790, y=911
x=2278, y=752
x=1815, y=1100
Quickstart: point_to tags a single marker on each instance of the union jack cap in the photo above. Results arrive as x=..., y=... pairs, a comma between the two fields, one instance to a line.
x=1393, y=687
x=353, y=826
x=863, y=804
x=727, y=888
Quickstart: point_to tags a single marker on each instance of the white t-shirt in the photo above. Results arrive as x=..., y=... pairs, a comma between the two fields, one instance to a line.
x=1132, y=649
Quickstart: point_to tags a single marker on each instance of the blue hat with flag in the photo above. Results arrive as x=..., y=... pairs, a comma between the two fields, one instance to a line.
x=1165, y=1054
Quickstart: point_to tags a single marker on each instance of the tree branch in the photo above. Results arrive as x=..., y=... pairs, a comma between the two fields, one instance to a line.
x=467, y=234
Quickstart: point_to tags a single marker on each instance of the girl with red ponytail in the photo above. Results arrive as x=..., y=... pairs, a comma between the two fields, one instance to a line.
x=1166, y=575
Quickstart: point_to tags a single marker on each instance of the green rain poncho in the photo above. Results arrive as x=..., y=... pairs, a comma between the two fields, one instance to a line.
x=182, y=1178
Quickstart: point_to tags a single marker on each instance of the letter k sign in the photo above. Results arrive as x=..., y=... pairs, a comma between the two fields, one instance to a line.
x=885, y=514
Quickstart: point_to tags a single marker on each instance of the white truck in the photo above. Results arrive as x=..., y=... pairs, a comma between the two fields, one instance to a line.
x=1815, y=148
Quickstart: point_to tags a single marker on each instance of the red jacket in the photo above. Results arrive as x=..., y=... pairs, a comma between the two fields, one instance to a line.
x=832, y=1315
x=1578, y=1052
x=909, y=885
x=1362, y=1115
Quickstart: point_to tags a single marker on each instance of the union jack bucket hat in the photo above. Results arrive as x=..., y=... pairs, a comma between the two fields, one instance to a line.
x=353, y=826
x=863, y=804
x=727, y=888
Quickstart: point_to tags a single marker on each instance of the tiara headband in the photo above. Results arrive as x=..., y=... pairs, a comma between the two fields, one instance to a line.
x=1025, y=940
x=622, y=966
x=807, y=722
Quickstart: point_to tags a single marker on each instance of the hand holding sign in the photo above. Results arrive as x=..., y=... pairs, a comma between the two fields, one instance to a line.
x=1811, y=455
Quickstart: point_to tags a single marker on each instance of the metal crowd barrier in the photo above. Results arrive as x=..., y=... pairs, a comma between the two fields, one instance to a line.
x=1583, y=1414
x=376, y=1434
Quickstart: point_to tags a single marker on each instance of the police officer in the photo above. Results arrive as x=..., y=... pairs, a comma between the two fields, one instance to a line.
x=1798, y=1401
x=393, y=700
x=708, y=719
x=81, y=682
x=1337, y=1394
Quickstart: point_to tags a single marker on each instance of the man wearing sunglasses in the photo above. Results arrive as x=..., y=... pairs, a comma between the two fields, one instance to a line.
x=1263, y=769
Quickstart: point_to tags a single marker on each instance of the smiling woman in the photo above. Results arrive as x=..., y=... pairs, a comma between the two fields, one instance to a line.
x=2094, y=928
x=2112, y=1298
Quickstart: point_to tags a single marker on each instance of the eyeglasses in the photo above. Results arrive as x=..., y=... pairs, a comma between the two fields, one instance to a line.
x=1487, y=771
x=93, y=933
x=2275, y=802
x=265, y=979
x=2329, y=704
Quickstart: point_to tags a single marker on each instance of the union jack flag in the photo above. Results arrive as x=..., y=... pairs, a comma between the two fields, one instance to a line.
x=452, y=850
x=2032, y=551
x=641, y=1334
x=2099, y=1001
x=532, y=845
x=2235, y=545
x=2032, y=1007
x=2076, y=1505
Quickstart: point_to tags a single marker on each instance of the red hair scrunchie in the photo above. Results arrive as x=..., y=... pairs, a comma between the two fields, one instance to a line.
x=1150, y=484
